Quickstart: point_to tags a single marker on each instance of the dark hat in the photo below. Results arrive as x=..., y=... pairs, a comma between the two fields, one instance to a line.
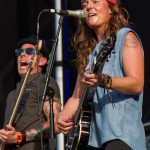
x=33, y=40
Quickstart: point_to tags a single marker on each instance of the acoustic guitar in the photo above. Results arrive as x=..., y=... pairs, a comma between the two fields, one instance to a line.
x=77, y=138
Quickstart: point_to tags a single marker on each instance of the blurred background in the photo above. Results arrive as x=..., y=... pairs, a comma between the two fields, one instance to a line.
x=18, y=19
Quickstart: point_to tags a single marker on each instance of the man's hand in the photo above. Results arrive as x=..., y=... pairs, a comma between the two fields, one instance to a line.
x=8, y=135
x=56, y=109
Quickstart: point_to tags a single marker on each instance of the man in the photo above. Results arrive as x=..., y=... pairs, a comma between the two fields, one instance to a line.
x=30, y=126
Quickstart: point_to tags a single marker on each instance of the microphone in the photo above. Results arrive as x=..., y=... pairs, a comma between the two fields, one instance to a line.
x=74, y=13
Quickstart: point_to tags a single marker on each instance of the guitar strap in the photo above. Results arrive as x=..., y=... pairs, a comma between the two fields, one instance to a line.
x=23, y=101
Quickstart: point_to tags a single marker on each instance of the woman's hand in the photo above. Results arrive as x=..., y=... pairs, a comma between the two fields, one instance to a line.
x=64, y=122
x=91, y=79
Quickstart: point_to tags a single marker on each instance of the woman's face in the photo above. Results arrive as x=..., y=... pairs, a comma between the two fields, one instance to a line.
x=98, y=13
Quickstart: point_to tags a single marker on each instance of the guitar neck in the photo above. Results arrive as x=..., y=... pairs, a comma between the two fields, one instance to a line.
x=84, y=95
x=2, y=146
x=85, y=89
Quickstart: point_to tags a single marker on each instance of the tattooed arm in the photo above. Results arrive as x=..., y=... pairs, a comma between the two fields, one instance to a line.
x=133, y=65
x=10, y=135
x=35, y=134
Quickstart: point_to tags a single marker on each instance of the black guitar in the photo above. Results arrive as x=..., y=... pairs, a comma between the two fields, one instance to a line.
x=78, y=137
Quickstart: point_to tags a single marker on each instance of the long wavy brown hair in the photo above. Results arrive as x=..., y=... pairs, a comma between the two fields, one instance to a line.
x=85, y=39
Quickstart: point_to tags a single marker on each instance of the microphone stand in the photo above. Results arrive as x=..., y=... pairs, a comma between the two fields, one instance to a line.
x=48, y=73
x=50, y=93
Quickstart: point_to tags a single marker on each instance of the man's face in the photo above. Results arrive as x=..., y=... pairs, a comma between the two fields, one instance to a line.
x=24, y=59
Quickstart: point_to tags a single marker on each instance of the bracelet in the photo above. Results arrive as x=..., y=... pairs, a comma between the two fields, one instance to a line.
x=23, y=133
x=105, y=81
x=19, y=137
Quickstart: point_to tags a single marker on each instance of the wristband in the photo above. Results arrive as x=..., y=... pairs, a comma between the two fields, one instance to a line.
x=105, y=81
x=19, y=137
x=23, y=133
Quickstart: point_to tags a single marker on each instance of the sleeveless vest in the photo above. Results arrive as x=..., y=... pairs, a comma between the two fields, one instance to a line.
x=122, y=119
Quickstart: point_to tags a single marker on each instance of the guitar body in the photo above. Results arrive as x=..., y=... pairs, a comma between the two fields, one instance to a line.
x=79, y=135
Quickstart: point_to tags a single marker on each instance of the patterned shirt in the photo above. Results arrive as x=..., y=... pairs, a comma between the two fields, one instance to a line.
x=29, y=115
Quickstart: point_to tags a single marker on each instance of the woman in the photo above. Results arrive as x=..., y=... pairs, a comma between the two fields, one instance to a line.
x=117, y=102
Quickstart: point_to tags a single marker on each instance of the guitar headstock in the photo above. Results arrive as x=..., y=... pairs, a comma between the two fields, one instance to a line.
x=106, y=48
x=36, y=54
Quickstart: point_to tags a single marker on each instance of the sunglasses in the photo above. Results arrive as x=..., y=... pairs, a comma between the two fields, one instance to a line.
x=29, y=51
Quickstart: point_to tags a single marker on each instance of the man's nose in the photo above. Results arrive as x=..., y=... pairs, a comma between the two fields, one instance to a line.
x=23, y=53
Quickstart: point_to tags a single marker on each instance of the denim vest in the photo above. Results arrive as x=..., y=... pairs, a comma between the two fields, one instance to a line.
x=121, y=118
